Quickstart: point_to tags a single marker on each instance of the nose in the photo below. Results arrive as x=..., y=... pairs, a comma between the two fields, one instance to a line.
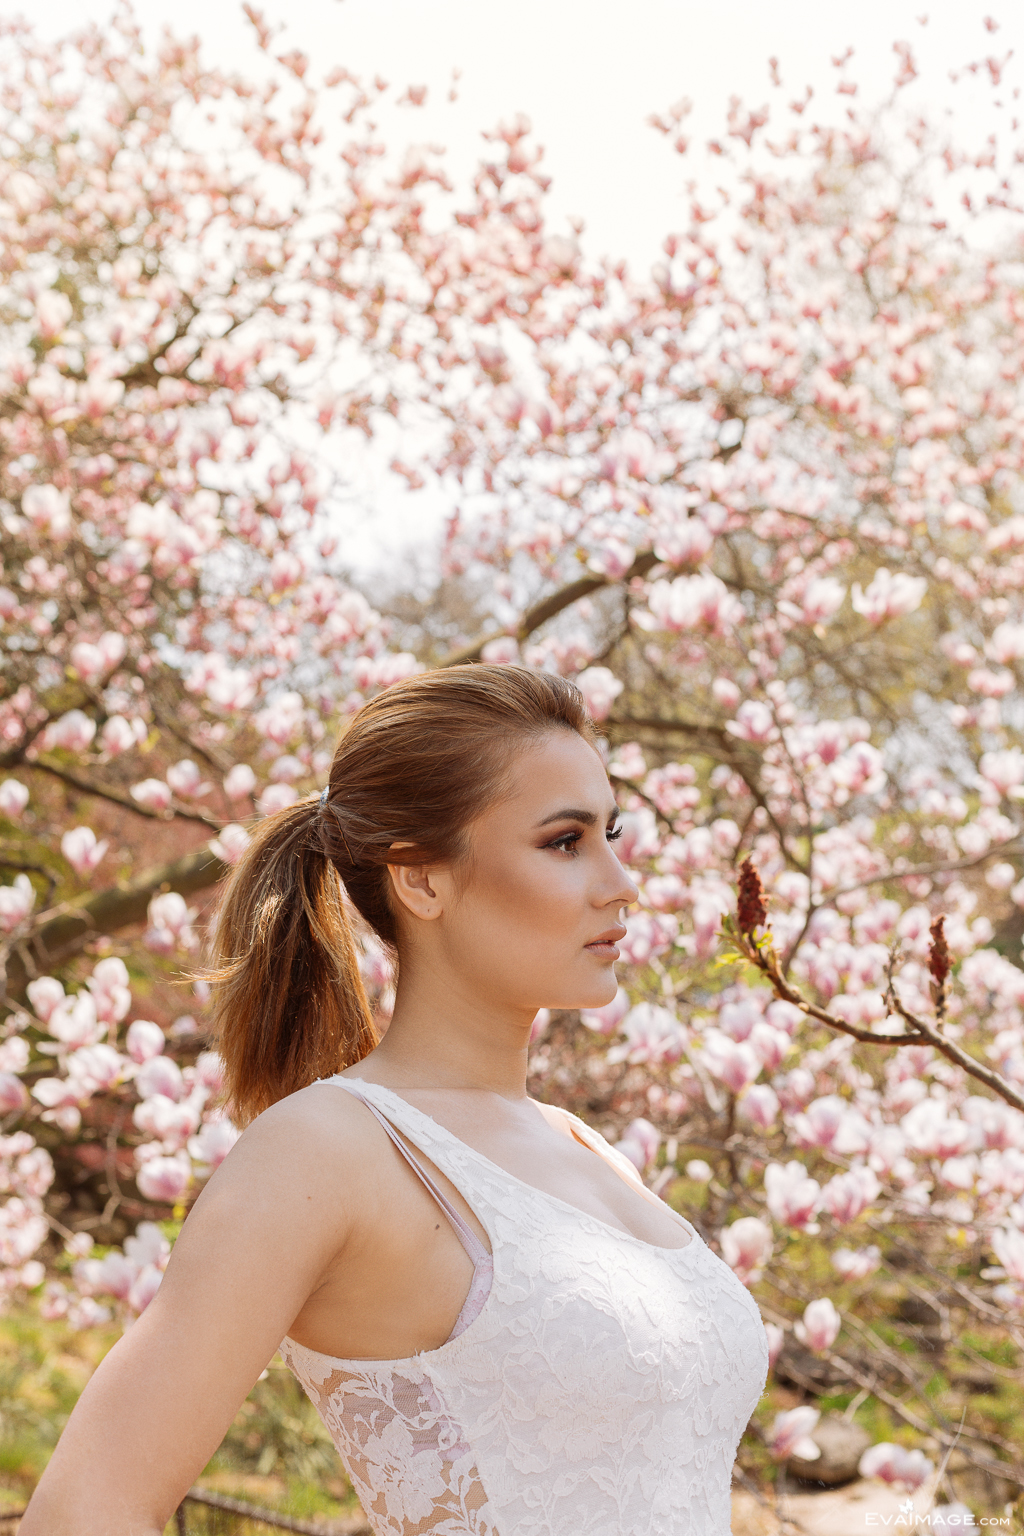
x=625, y=892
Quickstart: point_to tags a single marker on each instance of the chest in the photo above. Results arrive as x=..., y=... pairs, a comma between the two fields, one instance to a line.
x=606, y=1313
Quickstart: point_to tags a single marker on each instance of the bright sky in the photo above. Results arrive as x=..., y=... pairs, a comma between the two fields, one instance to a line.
x=588, y=73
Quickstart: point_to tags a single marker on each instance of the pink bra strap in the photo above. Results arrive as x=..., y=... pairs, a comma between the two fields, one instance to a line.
x=468, y=1238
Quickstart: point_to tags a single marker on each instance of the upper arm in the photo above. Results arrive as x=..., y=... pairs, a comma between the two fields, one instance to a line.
x=256, y=1243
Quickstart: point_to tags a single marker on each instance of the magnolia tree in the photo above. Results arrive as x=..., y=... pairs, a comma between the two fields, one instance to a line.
x=764, y=506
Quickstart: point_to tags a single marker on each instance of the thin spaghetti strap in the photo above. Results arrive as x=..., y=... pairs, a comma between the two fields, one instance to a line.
x=468, y=1238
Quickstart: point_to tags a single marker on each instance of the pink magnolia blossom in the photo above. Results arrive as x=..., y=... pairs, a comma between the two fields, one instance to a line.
x=694, y=602
x=159, y=1074
x=734, y=1062
x=1006, y=645
x=95, y=1068
x=73, y=732
x=83, y=852
x=790, y=1434
x=684, y=543
x=849, y=1194
x=754, y=722
x=210, y=1070
x=760, y=1105
x=186, y=781
x=820, y=1325
x=541, y=1020
x=153, y=794
x=16, y=902
x=112, y=1275
x=792, y=1195
x=776, y=1339
x=640, y=1143
x=75, y=1021
x=169, y=1123
x=896, y=1465
x=606, y=1020
x=110, y=990
x=1008, y=1246
x=746, y=1247
x=45, y=994
x=600, y=688
x=147, y=1245
x=47, y=509
x=819, y=1125
x=230, y=843
x=823, y=597
x=856, y=1263
x=1004, y=769
x=888, y=596
x=276, y=797
x=170, y=924
x=13, y=1094
x=287, y=769
x=144, y=1040
x=651, y=1034
x=147, y=1282
x=121, y=735
x=239, y=782
x=13, y=799
x=164, y=1178
x=14, y=1054
x=214, y=1140
x=770, y=1044
x=94, y=660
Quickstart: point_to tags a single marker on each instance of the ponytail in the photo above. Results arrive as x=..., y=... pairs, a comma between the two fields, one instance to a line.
x=289, y=1004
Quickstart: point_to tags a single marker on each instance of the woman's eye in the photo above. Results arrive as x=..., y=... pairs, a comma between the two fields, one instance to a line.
x=567, y=842
x=613, y=834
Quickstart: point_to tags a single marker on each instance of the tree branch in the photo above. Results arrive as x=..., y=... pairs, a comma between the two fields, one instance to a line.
x=766, y=961
x=103, y=792
x=549, y=607
x=65, y=935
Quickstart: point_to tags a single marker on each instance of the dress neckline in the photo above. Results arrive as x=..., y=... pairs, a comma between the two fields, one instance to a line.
x=630, y=1237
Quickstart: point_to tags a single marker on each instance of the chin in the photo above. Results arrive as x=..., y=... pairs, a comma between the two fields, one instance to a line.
x=595, y=992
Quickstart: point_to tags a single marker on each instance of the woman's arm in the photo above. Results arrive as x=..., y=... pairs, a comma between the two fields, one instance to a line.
x=269, y=1224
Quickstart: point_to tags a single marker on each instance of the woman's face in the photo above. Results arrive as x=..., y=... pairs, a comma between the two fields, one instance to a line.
x=534, y=918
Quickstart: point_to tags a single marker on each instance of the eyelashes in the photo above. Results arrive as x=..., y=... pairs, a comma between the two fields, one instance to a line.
x=568, y=841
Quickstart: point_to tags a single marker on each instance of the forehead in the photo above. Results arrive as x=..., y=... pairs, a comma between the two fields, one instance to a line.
x=556, y=770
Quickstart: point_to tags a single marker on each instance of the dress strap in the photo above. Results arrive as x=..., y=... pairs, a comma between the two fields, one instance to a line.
x=468, y=1238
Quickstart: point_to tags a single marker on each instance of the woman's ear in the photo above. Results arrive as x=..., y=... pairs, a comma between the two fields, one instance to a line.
x=413, y=888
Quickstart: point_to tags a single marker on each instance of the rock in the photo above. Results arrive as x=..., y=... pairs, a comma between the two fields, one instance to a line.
x=842, y=1444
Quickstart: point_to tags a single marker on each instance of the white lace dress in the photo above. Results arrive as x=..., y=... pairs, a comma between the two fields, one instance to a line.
x=599, y=1388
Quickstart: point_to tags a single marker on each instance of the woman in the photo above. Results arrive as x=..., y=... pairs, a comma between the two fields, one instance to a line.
x=504, y=1331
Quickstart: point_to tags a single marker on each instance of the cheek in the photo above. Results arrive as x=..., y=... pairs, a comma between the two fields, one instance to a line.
x=541, y=894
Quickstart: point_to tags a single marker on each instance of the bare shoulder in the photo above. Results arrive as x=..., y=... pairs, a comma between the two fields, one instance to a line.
x=320, y=1117
x=303, y=1151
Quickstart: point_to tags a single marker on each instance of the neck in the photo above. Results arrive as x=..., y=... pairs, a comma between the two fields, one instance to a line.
x=446, y=1033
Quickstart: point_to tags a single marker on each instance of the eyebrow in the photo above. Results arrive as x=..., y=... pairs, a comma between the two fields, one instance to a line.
x=574, y=813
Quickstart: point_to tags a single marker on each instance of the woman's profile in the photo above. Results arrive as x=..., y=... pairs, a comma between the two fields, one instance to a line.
x=503, y=1330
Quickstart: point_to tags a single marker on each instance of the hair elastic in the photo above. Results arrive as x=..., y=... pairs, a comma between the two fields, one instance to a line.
x=323, y=795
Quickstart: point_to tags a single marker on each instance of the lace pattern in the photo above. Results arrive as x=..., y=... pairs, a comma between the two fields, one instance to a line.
x=600, y=1390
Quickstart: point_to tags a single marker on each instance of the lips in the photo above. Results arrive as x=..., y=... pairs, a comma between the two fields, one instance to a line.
x=608, y=939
